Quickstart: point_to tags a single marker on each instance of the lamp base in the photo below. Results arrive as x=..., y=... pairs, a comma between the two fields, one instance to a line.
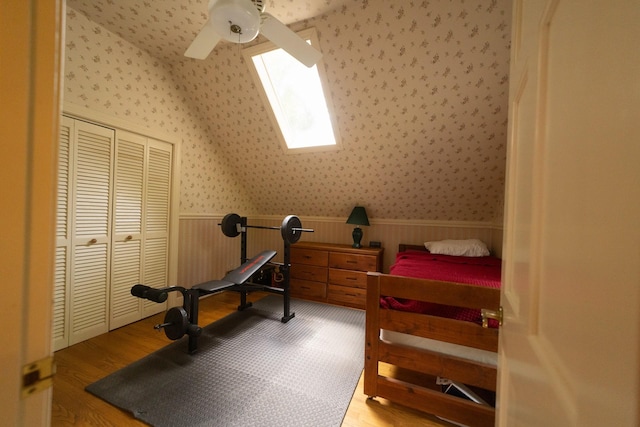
x=357, y=237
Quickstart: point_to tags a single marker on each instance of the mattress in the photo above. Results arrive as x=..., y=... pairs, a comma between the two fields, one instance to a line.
x=469, y=353
x=480, y=271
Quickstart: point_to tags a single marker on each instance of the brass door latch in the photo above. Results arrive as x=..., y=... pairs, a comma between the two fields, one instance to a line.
x=491, y=314
x=37, y=376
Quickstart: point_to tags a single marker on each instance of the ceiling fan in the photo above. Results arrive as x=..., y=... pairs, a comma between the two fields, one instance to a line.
x=240, y=21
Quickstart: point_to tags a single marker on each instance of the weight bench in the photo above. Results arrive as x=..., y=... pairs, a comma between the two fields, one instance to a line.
x=184, y=320
x=238, y=276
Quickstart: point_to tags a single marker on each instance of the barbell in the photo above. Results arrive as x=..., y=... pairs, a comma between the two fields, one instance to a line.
x=291, y=228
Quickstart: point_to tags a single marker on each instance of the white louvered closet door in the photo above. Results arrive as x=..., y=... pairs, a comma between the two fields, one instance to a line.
x=157, y=219
x=91, y=237
x=127, y=234
x=113, y=228
x=63, y=229
x=141, y=224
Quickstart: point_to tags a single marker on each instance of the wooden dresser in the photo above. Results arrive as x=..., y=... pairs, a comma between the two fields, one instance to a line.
x=332, y=273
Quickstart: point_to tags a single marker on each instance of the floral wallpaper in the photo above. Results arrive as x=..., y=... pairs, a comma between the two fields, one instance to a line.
x=419, y=90
x=106, y=73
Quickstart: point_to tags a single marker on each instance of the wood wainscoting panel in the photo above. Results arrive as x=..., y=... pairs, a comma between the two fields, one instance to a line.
x=206, y=254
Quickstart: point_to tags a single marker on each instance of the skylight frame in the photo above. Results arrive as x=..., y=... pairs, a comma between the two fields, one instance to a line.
x=311, y=36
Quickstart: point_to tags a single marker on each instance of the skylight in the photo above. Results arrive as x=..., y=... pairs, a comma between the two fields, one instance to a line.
x=300, y=108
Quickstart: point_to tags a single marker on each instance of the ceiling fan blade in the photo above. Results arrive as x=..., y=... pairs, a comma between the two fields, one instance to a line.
x=204, y=42
x=286, y=39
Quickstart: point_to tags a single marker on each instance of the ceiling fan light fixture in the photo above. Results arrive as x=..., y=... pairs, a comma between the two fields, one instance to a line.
x=237, y=21
x=240, y=21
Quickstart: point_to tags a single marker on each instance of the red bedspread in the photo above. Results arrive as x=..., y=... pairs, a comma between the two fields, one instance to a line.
x=482, y=271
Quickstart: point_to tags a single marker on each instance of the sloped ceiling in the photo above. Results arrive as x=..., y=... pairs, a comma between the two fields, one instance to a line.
x=419, y=91
x=165, y=28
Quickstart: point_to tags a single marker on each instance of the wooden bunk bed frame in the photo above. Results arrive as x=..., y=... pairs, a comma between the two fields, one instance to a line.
x=419, y=360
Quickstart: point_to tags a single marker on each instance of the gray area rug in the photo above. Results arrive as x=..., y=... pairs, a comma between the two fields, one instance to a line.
x=250, y=370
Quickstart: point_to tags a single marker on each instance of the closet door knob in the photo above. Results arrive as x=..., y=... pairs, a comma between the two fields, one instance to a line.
x=129, y=237
x=92, y=241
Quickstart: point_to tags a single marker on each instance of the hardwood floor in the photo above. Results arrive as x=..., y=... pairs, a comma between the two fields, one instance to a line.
x=91, y=360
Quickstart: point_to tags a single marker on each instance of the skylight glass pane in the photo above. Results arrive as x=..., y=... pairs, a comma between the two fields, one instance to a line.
x=295, y=94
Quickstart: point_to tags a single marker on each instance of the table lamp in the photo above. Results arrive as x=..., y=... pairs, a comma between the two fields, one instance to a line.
x=358, y=217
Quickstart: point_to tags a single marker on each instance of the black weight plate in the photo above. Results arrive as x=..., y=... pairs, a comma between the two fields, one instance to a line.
x=291, y=229
x=178, y=323
x=230, y=224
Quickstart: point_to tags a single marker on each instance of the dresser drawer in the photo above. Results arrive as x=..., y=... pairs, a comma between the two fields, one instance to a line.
x=332, y=273
x=351, y=278
x=354, y=297
x=308, y=289
x=309, y=272
x=353, y=261
x=309, y=257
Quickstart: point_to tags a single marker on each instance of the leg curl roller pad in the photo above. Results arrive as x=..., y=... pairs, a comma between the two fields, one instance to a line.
x=147, y=292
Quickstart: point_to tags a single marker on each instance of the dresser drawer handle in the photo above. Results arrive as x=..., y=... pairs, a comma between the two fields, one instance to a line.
x=351, y=278
x=351, y=261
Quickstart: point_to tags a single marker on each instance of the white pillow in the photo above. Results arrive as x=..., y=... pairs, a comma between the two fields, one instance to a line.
x=469, y=247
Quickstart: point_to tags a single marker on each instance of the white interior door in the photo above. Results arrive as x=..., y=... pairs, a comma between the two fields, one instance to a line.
x=64, y=220
x=91, y=237
x=143, y=180
x=127, y=224
x=569, y=347
x=157, y=220
x=29, y=84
